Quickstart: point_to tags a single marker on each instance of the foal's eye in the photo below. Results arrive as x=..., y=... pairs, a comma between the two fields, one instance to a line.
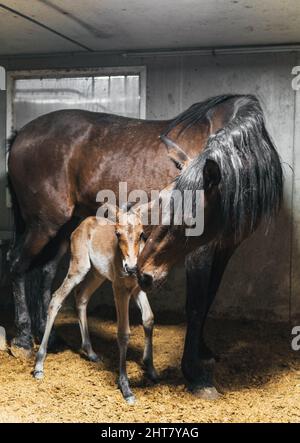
x=118, y=234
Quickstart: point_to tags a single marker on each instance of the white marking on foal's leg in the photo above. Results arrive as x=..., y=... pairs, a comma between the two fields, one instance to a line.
x=148, y=323
x=54, y=307
x=59, y=296
x=123, y=382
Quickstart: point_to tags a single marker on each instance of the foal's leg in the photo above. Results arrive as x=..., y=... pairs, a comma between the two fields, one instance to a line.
x=122, y=298
x=148, y=322
x=82, y=296
x=79, y=267
x=56, y=250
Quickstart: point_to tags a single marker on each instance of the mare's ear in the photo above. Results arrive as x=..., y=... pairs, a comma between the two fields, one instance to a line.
x=176, y=154
x=211, y=174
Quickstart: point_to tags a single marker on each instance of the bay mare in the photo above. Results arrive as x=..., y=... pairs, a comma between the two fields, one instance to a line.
x=58, y=163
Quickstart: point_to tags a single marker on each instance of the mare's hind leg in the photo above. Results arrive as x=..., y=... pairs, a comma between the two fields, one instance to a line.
x=77, y=271
x=28, y=247
x=122, y=298
x=82, y=296
x=22, y=343
x=148, y=323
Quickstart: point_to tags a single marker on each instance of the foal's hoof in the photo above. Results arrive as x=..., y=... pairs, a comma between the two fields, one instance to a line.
x=130, y=400
x=205, y=393
x=94, y=358
x=38, y=375
x=91, y=356
x=126, y=391
x=3, y=344
x=20, y=350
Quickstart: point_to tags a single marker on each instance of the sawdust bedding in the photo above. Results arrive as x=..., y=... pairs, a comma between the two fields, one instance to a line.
x=257, y=373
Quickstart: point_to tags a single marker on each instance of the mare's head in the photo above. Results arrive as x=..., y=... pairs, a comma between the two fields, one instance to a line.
x=168, y=243
x=239, y=173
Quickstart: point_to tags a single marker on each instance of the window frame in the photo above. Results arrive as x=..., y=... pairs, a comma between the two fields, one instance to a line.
x=72, y=72
x=11, y=76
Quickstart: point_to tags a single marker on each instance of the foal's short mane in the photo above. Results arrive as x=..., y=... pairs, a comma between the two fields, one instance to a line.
x=251, y=186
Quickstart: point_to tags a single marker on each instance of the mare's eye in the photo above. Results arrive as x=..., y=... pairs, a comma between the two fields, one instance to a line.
x=118, y=234
x=143, y=236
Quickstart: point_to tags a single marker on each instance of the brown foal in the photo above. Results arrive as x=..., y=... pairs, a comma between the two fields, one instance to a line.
x=100, y=250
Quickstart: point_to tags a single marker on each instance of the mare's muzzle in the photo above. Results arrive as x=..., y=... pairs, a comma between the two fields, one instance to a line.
x=145, y=281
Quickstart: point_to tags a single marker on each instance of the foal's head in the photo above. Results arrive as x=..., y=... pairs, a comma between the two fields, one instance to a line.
x=130, y=236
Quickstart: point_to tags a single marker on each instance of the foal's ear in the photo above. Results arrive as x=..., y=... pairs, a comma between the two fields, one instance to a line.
x=176, y=154
x=142, y=210
x=111, y=212
x=126, y=207
x=211, y=174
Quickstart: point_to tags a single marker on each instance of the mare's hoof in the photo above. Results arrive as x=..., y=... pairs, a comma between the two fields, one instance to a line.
x=20, y=350
x=152, y=375
x=130, y=400
x=38, y=375
x=205, y=393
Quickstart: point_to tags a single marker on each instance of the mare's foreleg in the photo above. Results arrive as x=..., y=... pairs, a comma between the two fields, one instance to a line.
x=148, y=323
x=204, y=274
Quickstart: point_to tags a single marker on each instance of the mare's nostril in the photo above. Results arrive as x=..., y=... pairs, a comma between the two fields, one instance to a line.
x=145, y=280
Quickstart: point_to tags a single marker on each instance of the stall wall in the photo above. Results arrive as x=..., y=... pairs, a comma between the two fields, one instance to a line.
x=262, y=279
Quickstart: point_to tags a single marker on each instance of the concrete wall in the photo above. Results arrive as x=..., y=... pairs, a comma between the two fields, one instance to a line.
x=262, y=279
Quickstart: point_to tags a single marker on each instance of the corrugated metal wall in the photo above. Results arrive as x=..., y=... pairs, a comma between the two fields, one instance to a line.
x=262, y=279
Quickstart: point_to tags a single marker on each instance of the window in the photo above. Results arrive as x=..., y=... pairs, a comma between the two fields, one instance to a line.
x=38, y=92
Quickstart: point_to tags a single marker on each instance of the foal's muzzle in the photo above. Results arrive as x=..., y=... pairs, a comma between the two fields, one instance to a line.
x=130, y=270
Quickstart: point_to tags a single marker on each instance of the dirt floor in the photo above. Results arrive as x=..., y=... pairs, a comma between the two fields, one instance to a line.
x=258, y=374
